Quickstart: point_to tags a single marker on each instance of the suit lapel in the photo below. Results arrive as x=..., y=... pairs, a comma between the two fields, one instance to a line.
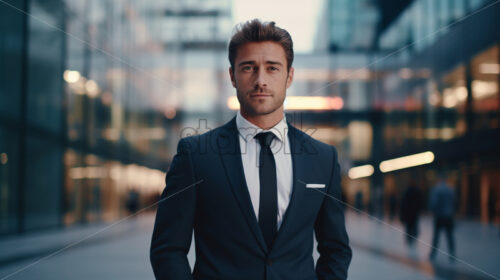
x=299, y=153
x=229, y=149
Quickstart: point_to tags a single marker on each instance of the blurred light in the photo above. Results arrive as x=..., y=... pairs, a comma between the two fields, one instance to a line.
x=312, y=75
x=77, y=173
x=489, y=68
x=116, y=173
x=146, y=133
x=405, y=73
x=407, y=161
x=361, y=171
x=431, y=133
x=300, y=103
x=71, y=76
x=4, y=158
x=342, y=74
x=453, y=96
x=91, y=172
x=483, y=89
x=447, y=133
x=233, y=103
x=139, y=177
x=96, y=172
x=449, y=98
x=170, y=113
x=360, y=139
x=313, y=103
x=329, y=134
x=361, y=74
x=461, y=93
x=111, y=134
x=70, y=157
x=434, y=99
x=133, y=175
x=91, y=159
x=352, y=74
x=78, y=87
x=92, y=88
x=107, y=98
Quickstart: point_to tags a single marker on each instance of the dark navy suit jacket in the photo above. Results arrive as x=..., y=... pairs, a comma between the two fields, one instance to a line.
x=206, y=191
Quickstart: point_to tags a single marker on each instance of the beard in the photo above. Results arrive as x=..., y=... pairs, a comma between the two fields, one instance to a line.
x=256, y=107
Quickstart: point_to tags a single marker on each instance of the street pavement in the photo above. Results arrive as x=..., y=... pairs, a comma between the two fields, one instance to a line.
x=121, y=251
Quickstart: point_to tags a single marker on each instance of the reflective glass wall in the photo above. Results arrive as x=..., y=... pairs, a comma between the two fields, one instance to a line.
x=437, y=84
x=31, y=114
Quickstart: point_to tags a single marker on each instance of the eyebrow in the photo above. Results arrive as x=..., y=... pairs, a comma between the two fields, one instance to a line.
x=252, y=62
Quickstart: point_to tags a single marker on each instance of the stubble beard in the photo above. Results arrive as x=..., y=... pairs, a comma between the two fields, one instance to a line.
x=256, y=109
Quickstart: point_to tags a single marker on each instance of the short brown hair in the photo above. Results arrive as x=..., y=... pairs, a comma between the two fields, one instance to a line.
x=257, y=31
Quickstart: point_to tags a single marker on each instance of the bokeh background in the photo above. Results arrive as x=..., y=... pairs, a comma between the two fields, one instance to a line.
x=95, y=95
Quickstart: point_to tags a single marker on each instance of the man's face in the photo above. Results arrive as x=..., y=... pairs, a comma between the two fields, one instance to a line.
x=260, y=77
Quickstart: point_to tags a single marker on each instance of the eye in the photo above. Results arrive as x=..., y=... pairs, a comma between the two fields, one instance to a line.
x=272, y=68
x=246, y=68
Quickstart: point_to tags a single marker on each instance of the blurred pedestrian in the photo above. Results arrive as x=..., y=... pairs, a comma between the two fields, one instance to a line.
x=132, y=202
x=393, y=205
x=442, y=204
x=358, y=202
x=411, y=207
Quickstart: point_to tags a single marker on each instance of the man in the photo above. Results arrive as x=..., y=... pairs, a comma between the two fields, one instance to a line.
x=442, y=203
x=254, y=189
x=411, y=206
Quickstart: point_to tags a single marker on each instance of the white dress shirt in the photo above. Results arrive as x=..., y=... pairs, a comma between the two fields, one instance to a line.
x=250, y=151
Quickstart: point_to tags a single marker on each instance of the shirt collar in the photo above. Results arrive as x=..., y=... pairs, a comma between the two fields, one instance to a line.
x=248, y=130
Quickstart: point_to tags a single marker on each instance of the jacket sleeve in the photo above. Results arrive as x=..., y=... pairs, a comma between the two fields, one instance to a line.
x=173, y=227
x=333, y=242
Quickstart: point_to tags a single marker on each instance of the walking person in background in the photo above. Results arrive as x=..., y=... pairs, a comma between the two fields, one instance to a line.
x=132, y=203
x=393, y=205
x=442, y=204
x=411, y=207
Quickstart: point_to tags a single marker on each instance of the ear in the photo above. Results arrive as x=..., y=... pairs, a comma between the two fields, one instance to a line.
x=289, y=79
x=231, y=74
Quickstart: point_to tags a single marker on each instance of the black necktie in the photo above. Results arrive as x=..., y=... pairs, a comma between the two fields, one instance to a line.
x=268, y=205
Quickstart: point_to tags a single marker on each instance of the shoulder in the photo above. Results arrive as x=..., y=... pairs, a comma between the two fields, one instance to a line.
x=307, y=143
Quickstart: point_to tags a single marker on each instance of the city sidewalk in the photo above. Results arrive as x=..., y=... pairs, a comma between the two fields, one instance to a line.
x=122, y=252
x=97, y=251
x=477, y=246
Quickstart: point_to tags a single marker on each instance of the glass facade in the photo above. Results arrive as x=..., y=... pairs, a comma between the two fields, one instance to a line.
x=439, y=91
x=93, y=99
x=31, y=113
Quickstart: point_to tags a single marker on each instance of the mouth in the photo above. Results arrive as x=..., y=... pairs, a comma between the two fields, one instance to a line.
x=259, y=95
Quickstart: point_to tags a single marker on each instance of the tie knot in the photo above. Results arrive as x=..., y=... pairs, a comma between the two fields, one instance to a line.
x=265, y=138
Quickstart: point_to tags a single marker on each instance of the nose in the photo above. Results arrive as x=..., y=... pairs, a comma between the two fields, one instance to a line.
x=260, y=81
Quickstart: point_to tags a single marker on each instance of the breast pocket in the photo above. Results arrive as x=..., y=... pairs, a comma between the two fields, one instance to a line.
x=312, y=199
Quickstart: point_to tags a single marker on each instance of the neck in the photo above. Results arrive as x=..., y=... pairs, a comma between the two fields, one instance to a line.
x=264, y=121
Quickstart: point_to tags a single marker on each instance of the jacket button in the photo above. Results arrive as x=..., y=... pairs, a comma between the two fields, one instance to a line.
x=269, y=262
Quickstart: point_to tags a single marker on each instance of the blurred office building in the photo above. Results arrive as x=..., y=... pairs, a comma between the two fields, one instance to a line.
x=94, y=96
